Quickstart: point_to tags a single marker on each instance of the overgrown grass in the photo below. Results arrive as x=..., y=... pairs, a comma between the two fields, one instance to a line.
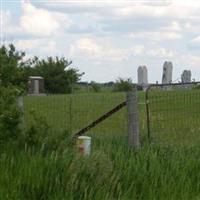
x=113, y=171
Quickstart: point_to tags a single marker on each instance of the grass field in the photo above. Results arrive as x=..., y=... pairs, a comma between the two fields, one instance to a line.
x=174, y=115
x=168, y=168
x=73, y=112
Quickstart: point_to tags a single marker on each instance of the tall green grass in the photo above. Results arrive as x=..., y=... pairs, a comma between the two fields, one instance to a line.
x=112, y=171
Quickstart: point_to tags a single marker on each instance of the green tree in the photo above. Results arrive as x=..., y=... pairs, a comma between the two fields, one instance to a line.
x=12, y=67
x=58, y=76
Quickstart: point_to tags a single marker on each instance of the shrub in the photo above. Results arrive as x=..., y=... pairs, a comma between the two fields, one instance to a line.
x=38, y=135
x=37, y=130
x=123, y=85
x=95, y=87
x=10, y=114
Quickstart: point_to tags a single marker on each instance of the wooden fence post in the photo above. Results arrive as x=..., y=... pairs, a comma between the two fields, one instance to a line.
x=133, y=120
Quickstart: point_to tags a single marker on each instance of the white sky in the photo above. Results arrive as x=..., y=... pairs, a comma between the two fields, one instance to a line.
x=108, y=39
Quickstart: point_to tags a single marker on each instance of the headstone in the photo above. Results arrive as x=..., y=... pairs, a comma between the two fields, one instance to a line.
x=167, y=72
x=186, y=76
x=36, y=85
x=142, y=75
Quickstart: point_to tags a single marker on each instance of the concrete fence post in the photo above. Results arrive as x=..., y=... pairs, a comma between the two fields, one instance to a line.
x=20, y=102
x=133, y=120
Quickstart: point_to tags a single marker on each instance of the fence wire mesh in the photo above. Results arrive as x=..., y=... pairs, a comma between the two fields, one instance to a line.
x=174, y=115
x=70, y=113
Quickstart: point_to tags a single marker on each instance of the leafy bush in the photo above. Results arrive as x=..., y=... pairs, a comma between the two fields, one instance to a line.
x=123, y=85
x=38, y=135
x=95, y=87
x=58, y=76
x=10, y=114
x=11, y=66
x=37, y=130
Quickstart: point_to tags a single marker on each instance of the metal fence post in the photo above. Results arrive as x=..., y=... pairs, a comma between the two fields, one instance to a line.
x=133, y=120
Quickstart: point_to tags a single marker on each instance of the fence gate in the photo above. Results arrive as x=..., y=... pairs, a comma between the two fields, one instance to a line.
x=173, y=114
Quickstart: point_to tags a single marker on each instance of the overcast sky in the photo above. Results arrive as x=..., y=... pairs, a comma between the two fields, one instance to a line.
x=108, y=39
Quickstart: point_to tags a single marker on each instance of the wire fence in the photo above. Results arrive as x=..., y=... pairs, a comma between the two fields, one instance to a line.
x=71, y=113
x=173, y=115
x=169, y=115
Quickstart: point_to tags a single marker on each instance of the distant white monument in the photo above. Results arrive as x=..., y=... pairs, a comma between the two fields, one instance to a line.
x=186, y=76
x=36, y=85
x=167, y=73
x=142, y=75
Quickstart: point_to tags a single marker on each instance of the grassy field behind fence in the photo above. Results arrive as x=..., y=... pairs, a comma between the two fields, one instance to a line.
x=174, y=115
x=113, y=171
x=74, y=112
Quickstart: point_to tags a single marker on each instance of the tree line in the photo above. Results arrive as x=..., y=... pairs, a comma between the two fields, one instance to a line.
x=59, y=76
